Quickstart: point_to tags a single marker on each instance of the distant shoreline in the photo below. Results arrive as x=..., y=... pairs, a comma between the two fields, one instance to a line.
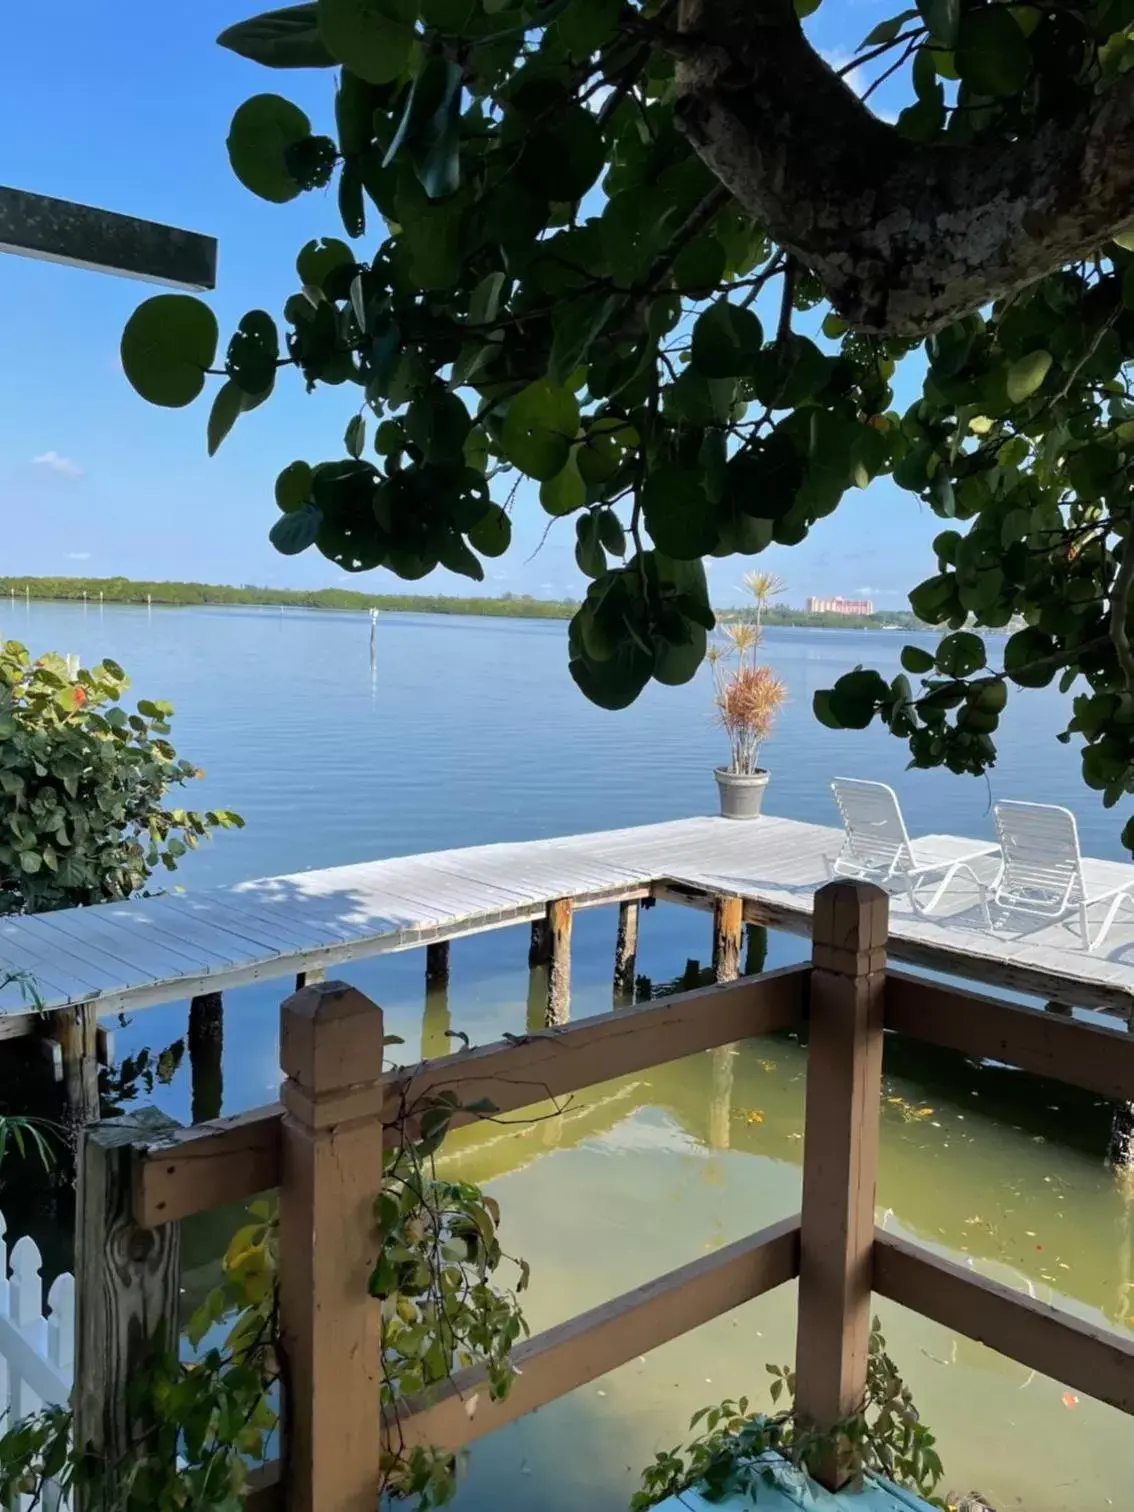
x=345, y=600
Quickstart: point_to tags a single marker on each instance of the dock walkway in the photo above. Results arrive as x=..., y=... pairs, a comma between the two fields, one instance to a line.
x=136, y=954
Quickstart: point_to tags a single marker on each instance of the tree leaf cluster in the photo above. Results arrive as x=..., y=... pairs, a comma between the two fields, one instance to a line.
x=84, y=786
x=540, y=297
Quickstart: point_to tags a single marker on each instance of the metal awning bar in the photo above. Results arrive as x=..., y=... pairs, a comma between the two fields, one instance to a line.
x=35, y=225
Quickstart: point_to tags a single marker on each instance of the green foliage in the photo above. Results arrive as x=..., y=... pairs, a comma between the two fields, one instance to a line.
x=291, y=487
x=555, y=289
x=442, y=1309
x=203, y=1421
x=83, y=786
x=735, y=1453
x=167, y=346
x=26, y=1134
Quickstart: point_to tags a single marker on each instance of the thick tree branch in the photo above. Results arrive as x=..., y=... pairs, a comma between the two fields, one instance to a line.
x=904, y=236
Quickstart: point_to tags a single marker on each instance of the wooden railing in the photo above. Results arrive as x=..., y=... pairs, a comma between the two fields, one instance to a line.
x=322, y=1145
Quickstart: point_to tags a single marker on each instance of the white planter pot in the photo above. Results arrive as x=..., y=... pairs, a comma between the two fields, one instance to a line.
x=741, y=794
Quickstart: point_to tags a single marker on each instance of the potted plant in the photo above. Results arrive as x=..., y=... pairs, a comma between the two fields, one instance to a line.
x=748, y=696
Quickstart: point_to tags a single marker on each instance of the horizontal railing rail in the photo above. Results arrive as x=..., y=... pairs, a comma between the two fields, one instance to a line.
x=1095, y=1361
x=228, y=1159
x=589, y=1345
x=1046, y=1044
x=339, y=1109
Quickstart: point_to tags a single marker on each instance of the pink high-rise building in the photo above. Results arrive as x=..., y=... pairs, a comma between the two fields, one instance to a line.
x=839, y=606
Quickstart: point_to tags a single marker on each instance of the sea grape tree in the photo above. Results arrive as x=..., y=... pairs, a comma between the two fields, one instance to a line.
x=85, y=786
x=655, y=263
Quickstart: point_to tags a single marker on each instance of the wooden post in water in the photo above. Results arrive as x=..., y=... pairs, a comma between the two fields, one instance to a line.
x=625, y=952
x=127, y=1283
x=437, y=964
x=206, y=1047
x=840, y=1157
x=536, y=1006
x=728, y=928
x=559, y=915
x=539, y=950
x=75, y=1031
x=1122, y=1129
x=436, y=1021
x=330, y=1326
x=755, y=949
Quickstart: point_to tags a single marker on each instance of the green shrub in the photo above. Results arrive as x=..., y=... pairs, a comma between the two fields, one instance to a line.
x=83, y=786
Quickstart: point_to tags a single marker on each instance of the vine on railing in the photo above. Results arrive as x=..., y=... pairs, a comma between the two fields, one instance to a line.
x=738, y=1452
x=440, y=1309
x=202, y=1422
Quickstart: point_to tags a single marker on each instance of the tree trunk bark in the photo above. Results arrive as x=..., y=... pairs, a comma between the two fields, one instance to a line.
x=904, y=236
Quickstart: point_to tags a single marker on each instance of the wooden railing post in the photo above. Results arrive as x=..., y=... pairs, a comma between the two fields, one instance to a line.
x=127, y=1286
x=331, y=1173
x=840, y=1157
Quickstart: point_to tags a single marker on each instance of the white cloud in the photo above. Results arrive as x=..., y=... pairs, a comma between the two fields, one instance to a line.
x=853, y=77
x=78, y=556
x=58, y=464
x=858, y=80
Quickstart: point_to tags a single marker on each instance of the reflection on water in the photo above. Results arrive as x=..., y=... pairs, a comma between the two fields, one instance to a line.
x=336, y=766
x=648, y=1172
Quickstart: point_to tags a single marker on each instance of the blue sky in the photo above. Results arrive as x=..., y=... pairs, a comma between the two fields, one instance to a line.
x=127, y=107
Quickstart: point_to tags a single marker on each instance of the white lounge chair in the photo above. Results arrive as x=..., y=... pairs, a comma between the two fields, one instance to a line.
x=1043, y=873
x=877, y=846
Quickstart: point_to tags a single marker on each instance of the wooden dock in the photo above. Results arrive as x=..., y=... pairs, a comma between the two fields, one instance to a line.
x=135, y=954
x=342, y=1107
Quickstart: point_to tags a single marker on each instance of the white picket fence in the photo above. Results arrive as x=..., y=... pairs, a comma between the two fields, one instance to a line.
x=37, y=1342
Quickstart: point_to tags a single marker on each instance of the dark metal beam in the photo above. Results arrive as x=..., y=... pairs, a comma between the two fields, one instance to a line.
x=34, y=225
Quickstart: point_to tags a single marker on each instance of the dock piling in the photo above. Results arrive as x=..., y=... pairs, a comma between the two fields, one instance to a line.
x=626, y=952
x=75, y=1031
x=536, y=1007
x=559, y=917
x=206, y=1049
x=436, y=1021
x=437, y=964
x=755, y=949
x=728, y=926
x=1121, y=1153
x=539, y=950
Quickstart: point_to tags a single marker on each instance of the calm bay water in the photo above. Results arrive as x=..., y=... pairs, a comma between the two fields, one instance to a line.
x=470, y=730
